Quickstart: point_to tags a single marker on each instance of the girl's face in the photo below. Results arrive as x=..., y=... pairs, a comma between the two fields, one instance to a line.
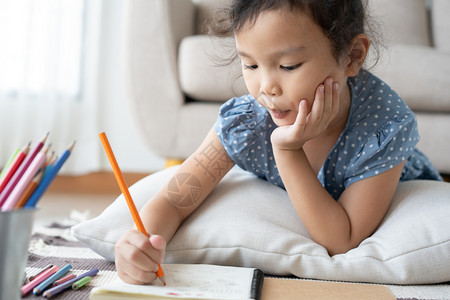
x=285, y=56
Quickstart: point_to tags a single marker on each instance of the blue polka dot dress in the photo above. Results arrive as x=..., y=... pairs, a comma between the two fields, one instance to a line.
x=381, y=132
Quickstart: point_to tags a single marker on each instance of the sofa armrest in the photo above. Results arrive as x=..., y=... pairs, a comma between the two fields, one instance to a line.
x=153, y=32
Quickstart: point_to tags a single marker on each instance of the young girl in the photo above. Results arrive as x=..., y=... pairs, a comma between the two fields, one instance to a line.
x=336, y=137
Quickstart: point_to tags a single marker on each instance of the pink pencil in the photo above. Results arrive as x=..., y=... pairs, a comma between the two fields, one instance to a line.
x=18, y=159
x=34, y=167
x=23, y=167
x=38, y=279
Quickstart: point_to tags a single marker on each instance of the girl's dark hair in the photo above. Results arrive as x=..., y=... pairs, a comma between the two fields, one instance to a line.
x=340, y=20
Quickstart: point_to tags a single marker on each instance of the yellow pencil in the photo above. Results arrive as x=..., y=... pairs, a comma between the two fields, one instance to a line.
x=124, y=188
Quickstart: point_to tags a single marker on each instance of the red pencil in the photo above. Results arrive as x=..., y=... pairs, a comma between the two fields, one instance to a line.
x=64, y=279
x=22, y=168
x=13, y=168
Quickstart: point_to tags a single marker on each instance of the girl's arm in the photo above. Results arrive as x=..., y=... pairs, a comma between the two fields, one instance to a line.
x=186, y=190
x=137, y=256
x=337, y=225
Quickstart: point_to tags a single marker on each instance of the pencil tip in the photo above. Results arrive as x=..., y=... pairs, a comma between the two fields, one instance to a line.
x=45, y=150
x=162, y=280
x=72, y=145
x=45, y=137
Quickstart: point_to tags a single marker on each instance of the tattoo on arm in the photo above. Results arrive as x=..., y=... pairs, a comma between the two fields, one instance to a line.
x=184, y=190
x=213, y=161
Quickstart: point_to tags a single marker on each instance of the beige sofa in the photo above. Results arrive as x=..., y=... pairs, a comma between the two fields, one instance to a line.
x=176, y=85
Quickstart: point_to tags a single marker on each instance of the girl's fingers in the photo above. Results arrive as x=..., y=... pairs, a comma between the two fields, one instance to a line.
x=328, y=97
x=152, y=247
x=134, y=265
x=136, y=257
x=158, y=243
x=137, y=278
x=318, y=104
x=302, y=113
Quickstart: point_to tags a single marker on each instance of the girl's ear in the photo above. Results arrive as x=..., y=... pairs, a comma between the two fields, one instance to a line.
x=357, y=54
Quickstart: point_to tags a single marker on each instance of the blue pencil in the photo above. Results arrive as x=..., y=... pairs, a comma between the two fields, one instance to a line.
x=42, y=286
x=64, y=286
x=48, y=178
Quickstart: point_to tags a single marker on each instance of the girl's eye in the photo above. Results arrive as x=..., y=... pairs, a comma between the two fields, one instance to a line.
x=250, y=67
x=290, y=68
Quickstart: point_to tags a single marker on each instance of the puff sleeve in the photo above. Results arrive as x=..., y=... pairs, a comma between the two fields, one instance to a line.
x=244, y=128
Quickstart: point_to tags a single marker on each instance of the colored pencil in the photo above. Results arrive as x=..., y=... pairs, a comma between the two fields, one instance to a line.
x=43, y=270
x=26, y=178
x=38, y=279
x=47, y=282
x=64, y=286
x=80, y=283
x=30, y=189
x=48, y=177
x=9, y=163
x=47, y=169
x=22, y=168
x=15, y=164
x=124, y=188
x=49, y=159
x=64, y=279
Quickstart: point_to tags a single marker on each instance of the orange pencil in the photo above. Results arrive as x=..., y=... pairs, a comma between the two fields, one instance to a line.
x=124, y=188
x=30, y=189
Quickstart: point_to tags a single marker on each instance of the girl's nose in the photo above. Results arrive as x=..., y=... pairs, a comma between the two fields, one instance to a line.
x=269, y=86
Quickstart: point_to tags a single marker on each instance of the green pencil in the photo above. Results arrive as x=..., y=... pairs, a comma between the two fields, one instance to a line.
x=8, y=164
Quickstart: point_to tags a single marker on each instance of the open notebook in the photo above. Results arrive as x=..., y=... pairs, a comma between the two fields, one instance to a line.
x=190, y=281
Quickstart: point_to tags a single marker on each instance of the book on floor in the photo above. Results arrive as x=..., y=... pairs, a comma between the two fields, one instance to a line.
x=190, y=281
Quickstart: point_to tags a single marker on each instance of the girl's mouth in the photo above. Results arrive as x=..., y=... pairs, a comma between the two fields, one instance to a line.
x=279, y=114
x=270, y=106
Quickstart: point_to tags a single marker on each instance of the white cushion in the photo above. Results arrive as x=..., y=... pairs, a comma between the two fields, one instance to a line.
x=203, y=71
x=249, y=222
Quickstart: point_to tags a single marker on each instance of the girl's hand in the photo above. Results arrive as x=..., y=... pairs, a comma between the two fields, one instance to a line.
x=137, y=256
x=309, y=125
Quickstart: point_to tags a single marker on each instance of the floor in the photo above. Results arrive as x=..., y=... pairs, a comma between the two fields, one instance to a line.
x=89, y=194
x=56, y=206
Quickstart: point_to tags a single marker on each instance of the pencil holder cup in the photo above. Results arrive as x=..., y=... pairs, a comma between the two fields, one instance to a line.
x=15, y=232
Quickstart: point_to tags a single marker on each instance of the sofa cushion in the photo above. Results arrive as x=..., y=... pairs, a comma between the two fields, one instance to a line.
x=435, y=139
x=401, y=21
x=419, y=75
x=203, y=72
x=249, y=222
x=441, y=24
